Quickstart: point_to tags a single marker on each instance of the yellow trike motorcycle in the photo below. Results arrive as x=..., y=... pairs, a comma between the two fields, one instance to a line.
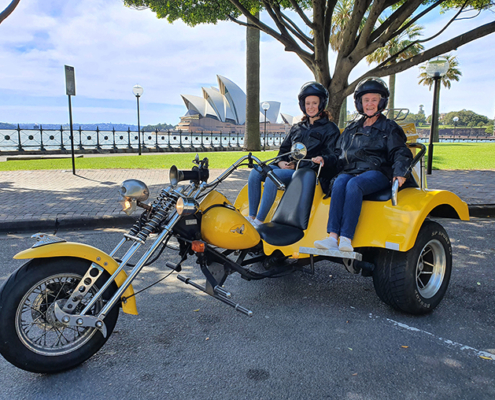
x=61, y=306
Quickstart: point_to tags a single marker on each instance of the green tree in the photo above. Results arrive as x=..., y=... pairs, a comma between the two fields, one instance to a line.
x=8, y=10
x=405, y=45
x=465, y=117
x=416, y=119
x=358, y=41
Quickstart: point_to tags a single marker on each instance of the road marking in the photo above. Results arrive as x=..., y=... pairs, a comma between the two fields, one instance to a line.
x=448, y=342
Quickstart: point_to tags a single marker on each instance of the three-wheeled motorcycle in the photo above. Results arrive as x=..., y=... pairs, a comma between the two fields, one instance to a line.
x=61, y=306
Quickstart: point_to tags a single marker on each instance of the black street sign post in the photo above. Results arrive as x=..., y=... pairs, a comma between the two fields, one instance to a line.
x=70, y=89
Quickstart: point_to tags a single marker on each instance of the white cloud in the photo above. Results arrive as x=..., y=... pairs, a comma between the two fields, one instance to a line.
x=113, y=47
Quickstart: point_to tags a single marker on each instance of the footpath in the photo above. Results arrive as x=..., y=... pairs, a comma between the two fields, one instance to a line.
x=33, y=201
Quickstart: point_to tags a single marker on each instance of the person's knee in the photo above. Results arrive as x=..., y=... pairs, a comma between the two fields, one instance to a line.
x=254, y=177
x=353, y=187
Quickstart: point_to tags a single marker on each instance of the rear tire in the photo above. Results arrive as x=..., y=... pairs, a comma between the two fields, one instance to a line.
x=31, y=338
x=416, y=281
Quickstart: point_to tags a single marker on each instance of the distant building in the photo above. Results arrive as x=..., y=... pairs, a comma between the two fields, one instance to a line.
x=223, y=109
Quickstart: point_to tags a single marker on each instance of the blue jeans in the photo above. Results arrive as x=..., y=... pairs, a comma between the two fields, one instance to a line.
x=269, y=191
x=347, y=199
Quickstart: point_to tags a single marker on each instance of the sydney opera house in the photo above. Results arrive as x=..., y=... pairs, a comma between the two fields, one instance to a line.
x=223, y=109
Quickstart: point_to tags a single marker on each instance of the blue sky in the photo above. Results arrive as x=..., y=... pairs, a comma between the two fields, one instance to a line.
x=113, y=48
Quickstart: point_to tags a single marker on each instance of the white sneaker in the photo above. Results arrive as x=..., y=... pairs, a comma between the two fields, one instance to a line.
x=345, y=244
x=253, y=221
x=329, y=243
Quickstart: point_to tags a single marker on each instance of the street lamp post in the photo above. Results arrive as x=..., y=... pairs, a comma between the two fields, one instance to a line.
x=265, y=106
x=435, y=69
x=455, y=119
x=138, y=91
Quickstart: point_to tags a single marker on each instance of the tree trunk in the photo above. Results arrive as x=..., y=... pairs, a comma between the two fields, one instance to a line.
x=391, y=100
x=252, y=132
x=343, y=114
x=8, y=10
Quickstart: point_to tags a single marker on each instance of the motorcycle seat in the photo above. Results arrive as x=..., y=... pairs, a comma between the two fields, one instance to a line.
x=292, y=215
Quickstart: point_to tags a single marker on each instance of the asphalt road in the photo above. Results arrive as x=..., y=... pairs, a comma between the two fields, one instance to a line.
x=311, y=337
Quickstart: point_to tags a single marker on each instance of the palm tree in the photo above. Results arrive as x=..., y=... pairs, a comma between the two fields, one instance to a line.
x=453, y=73
x=252, y=124
x=403, y=44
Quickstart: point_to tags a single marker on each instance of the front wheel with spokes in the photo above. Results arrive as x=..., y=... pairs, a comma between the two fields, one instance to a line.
x=31, y=337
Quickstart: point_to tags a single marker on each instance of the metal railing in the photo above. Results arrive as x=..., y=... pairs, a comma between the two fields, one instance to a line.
x=59, y=140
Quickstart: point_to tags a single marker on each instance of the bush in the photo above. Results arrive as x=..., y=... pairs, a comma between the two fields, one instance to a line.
x=489, y=130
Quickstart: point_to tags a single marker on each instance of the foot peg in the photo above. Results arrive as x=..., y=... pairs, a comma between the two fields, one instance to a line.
x=220, y=294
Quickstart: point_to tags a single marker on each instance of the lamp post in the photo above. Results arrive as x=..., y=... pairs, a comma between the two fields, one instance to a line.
x=138, y=91
x=265, y=106
x=455, y=119
x=435, y=69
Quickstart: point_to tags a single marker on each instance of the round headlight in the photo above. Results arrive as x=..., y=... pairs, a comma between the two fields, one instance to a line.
x=186, y=206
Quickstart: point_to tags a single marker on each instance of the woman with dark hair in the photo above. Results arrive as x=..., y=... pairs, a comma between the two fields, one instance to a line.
x=316, y=132
x=372, y=153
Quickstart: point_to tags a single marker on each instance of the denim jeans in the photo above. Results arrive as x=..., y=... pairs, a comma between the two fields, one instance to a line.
x=347, y=199
x=269, y=191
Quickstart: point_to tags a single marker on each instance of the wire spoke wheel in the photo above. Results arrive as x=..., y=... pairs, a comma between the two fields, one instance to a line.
x=430, y=270
x=36, y=324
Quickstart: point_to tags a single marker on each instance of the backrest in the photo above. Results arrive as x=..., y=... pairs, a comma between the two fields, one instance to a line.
x=295, y=207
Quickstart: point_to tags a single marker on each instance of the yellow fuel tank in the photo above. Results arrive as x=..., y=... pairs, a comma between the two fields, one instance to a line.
x=223, y=226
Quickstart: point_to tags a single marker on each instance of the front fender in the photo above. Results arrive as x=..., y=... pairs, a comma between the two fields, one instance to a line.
x=79, y=250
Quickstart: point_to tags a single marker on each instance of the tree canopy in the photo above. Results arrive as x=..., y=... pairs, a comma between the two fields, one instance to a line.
x=293, y=18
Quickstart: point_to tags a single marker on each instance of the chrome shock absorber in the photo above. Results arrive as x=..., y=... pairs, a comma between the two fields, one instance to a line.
x=161, y=209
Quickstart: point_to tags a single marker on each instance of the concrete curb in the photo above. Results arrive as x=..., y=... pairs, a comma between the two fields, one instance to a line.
x=118, y=221
x=482, y=210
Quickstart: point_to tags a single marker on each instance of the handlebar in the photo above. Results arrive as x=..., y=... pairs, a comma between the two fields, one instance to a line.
x=280, y=185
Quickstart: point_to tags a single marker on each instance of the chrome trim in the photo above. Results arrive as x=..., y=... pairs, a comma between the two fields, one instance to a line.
x=42, y=239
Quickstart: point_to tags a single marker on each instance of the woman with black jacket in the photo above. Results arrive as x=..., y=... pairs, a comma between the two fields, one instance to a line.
x=316, y=132
x=372, y=153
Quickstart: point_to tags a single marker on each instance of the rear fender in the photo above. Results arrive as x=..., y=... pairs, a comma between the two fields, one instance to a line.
x=79, y=250
x=381, y=224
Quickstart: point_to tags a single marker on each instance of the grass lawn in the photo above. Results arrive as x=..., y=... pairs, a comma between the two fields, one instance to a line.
x=467, y=156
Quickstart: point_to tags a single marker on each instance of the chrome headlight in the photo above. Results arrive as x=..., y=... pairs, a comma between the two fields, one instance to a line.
x=186, y=206
x=131, y=191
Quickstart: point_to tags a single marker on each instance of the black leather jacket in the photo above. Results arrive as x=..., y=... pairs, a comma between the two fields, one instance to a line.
x=383, y=149
x=320, y=140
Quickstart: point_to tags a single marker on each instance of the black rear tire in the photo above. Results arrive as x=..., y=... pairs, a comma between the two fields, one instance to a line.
x=416, y=281
x=31, y=338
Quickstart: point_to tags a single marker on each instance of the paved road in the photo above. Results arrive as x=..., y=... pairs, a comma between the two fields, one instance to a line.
x=311, y=337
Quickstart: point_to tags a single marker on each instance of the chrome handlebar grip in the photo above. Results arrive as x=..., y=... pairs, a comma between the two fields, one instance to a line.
x=395, y=192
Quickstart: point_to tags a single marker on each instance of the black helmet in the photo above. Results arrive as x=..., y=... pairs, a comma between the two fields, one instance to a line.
x=313, y=89
x=371, y=85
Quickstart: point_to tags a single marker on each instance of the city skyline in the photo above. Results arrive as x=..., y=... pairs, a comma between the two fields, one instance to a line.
x=113, y=48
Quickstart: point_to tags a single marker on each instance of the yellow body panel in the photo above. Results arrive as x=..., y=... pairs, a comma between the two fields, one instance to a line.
x=79, y=250
x=213, y=198
x=225, y=227
x=380, y=224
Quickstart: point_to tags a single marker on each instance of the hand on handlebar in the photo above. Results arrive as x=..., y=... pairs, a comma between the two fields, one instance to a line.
x=401, y=180
x=318, y=160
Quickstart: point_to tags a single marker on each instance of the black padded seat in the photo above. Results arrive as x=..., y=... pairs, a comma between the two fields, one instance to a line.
x=292, y=215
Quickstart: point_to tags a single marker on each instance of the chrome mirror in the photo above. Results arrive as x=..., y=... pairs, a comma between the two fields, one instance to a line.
x=298, y=151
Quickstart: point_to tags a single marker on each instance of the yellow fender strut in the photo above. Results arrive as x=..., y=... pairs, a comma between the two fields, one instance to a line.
x=79, y=250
